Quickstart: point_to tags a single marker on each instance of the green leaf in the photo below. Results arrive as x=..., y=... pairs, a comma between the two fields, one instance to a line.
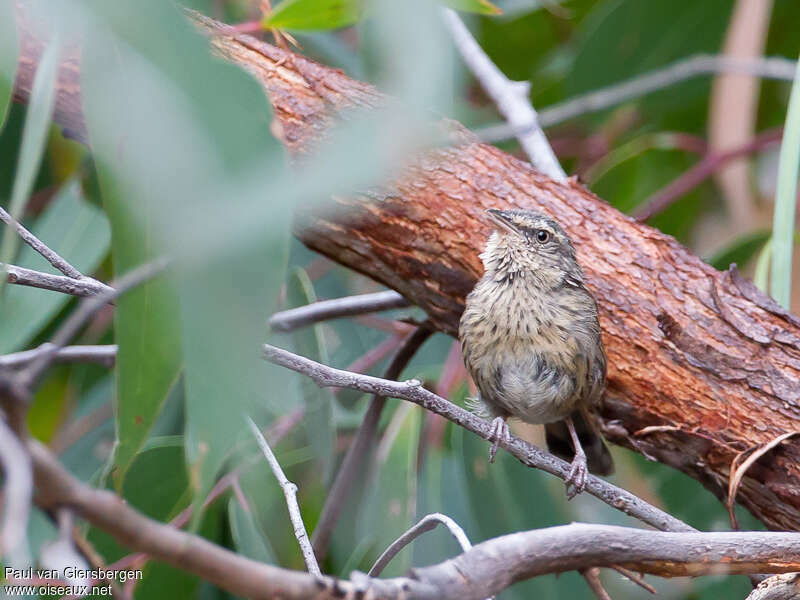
x=761, y=273
x=391, y=506
x=311, y=15
x=482, y=7
x=79, y=232
x=146, y=327
x=37, y=122
x=308, y=341
x=739, y=251
x=182, y=132
x=247, y=535
x=8, y=57
x=786, y=200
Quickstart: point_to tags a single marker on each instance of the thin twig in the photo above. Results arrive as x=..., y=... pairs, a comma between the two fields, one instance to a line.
x=17, y=491
x=737, y=471
x=612, y=95
x=29, y=375
x=592, y=577
x=528, y=454
x=325, y=310
x=634, y=577
x=85, y=287
x=360, y=445
x=702, y=171
x=49, y=254
x=103, y=355
x=290, y=492
x=427, y=523
x=511, y=97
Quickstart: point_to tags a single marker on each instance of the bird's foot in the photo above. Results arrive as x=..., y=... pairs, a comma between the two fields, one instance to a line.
x=576, y=478
x=498, y=433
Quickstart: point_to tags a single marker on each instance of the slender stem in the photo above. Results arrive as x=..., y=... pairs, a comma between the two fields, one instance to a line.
x=360, y=445
x=102, y=355
x=780, y=281
x=427, y=523
x=612, y=95
x=290, y=492
x=49, y=254
x=511, y=98
x=526, y=453
x=28, y=376
x=325, y=310
x=700, y=172
x=85, y=287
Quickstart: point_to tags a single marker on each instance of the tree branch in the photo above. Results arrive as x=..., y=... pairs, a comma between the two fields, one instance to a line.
x=50, y=255
x=427, y=523
x=85, y=287
x=325, y=310
x=767, y=68
x=102, y=355
x=526, y=453
x=359, y=447
x=483, y=571
x=511, y=97
x=290, y=493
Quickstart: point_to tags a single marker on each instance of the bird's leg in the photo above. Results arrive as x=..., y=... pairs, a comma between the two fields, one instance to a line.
x=578, y=471
x=498, y=433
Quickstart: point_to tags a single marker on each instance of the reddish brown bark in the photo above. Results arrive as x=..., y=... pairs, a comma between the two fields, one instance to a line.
x=702, y=354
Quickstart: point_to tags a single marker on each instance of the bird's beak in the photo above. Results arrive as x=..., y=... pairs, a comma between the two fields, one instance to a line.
x=499, y=218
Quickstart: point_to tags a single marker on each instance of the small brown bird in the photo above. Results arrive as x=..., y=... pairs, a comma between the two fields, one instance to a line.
x=531, y=341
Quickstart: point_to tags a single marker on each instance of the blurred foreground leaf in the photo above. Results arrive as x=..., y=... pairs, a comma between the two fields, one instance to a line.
x=8, y=57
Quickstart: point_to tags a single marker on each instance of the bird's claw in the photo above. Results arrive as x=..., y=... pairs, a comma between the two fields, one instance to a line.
x=576, y=478
x=497, y=433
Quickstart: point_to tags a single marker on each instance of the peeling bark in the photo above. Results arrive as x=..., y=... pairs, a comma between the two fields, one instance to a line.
x=700, y=353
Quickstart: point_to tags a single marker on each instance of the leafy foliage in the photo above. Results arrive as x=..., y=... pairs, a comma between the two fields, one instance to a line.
x=182, y=162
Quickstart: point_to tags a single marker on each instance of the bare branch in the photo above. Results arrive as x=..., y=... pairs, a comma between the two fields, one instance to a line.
x=427, y=523
x=102, y=355
x=592, y=577
x=526, y=453
x=612, y=95
x=634, y=577
x=17, y=491
x=359, y=447
x=50, y=255
x=325, y=310
x=85, y=287
x=486, y=569
x=511, y=98
x=290, y=492
x=85, y=311
x=778, y=587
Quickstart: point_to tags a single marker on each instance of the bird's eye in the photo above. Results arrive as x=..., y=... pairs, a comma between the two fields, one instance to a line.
x=542, y=236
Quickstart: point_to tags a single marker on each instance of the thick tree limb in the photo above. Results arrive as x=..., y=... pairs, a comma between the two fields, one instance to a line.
x=689, y=347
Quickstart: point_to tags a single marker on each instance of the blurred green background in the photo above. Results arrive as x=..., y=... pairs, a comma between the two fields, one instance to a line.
x=183, y=163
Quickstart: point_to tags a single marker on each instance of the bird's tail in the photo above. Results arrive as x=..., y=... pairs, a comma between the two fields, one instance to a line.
x=559, y=442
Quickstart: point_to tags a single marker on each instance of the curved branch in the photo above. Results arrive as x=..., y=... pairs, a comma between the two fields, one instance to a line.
x=427, y=523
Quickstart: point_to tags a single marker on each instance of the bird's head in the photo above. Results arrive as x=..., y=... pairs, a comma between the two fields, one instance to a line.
x=525, y=240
